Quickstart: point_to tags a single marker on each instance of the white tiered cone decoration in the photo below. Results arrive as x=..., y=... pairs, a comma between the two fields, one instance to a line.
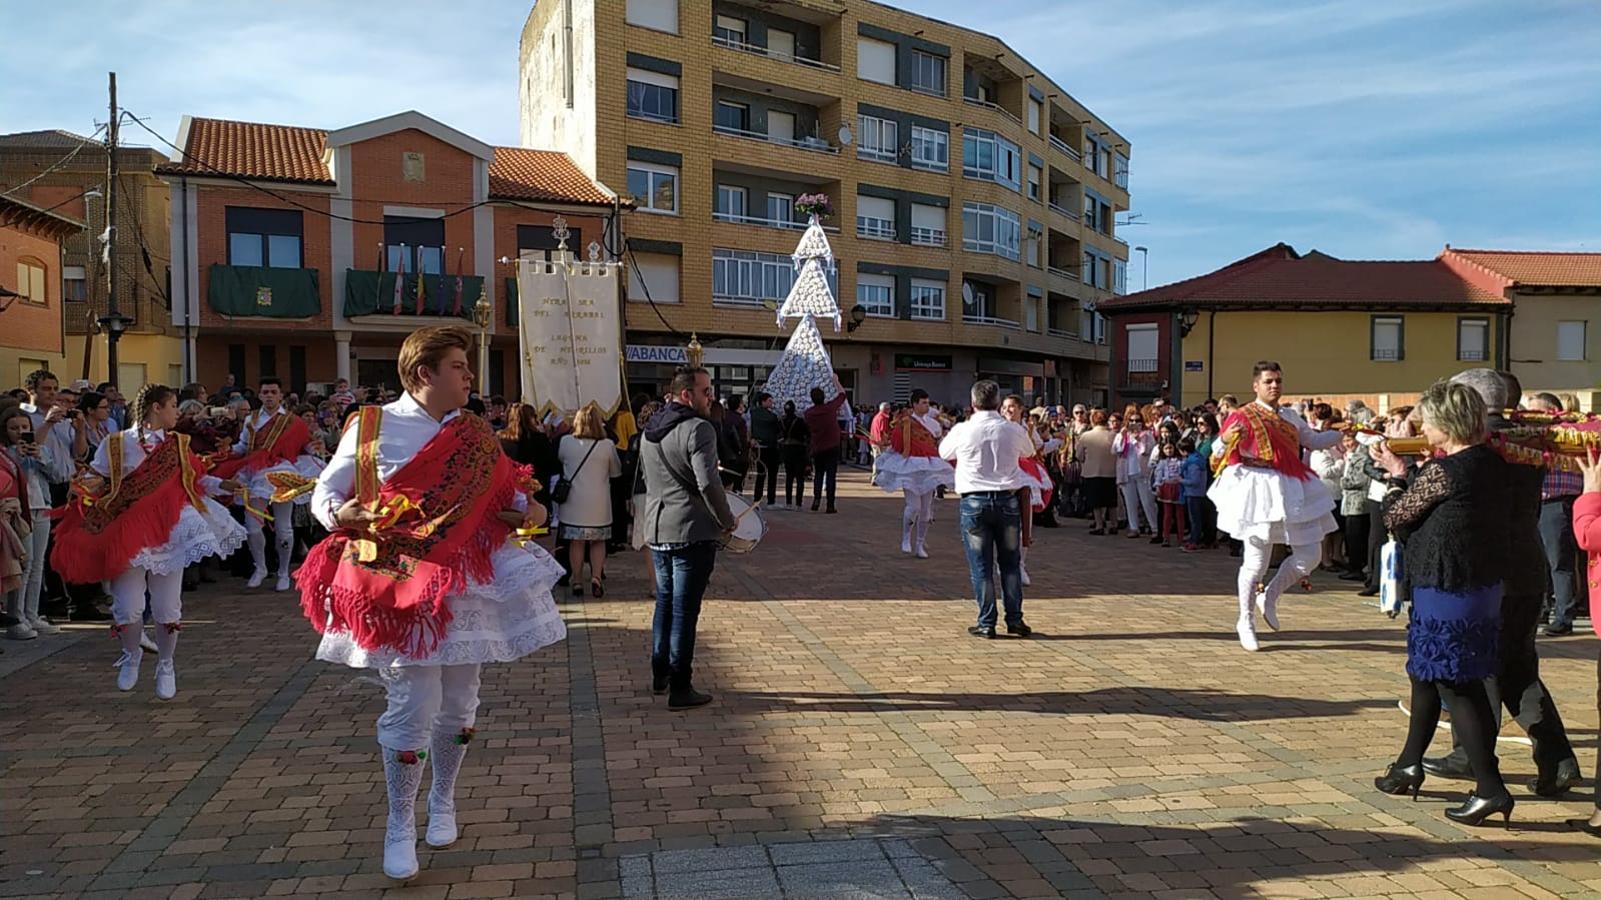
x=805, y=363
x=810, y=295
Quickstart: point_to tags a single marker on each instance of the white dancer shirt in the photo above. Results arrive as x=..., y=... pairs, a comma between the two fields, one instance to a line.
x=134, y=453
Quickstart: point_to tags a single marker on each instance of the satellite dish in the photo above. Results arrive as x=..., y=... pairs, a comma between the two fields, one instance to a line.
x=845, y=136
x=967, y=294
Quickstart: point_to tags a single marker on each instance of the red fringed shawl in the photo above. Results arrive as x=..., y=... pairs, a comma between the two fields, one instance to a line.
x=389, y=586
x=1267, y=438
x=104, y=524
x=909, y=437
x=282, y=440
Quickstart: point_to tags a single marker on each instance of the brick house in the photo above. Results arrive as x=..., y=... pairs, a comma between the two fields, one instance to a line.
x=31, y=305
x=286, y=241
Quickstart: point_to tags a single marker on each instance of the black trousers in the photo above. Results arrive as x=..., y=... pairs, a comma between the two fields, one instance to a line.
x=1357, y=528
x=825, y=469
x=1376, y=535
x=767, y=472
x=1517, y=686
x=795, y=474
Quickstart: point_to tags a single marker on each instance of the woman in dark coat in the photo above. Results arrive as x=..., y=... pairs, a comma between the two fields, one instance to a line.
x=1452, y=516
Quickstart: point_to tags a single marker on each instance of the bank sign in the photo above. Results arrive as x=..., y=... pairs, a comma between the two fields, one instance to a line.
x=650, y=353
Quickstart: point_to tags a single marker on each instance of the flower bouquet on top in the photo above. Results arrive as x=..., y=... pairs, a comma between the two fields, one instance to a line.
x=814, y=205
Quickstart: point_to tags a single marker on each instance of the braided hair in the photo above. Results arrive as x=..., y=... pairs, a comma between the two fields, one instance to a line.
x=149, y=397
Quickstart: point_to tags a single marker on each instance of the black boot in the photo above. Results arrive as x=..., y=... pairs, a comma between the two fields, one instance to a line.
x=1450, y=766
x=1401, y=780
x=658, y=680
x=1476, y=809
x=1556, y=783
x=683, y=695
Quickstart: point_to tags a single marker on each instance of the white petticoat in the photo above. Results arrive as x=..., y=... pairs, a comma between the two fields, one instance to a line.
x=261, y=489
x=1262, y=503
x=194, y=537
x=501, y=621
x=918, y=474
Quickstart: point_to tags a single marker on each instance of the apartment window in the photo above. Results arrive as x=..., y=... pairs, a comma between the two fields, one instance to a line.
x=748, y=278
x=653, y=187
x=264, y=237
x=1120, y=170
x=875, y=294
x=780, y=208
x=652, y=95
x=781, y=43
x=31, y=280
x=732, y=202
x=661, y=15
x=991, y=157
x=1119, y=276
x=931, y=149
x=928, y=73
x=928, y=225
x=1571, y=340
x=1036, y=115
x=1031, y=309
x=1472, y=340
x=267, y=359
x=729, y=30
x=1032, y=247
x=655, y=274
x=1091, y=210
x=875, y=61
x=877, y=139
x=875, y=218
x=420, y=242
x=1142, y=341
x=75, y=286
x=1035, y=176
x=991, y=229
x=928, y=299
x=1388, y=339
x=732, y=116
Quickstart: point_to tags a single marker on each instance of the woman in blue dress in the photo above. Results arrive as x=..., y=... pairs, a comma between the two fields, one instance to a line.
x=1451, y=516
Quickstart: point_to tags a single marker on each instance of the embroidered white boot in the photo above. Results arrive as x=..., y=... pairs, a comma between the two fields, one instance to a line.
x=1247, y=631
x=404, y=776
x=1269, y=608
x=448, y=752
x=906, y=532
x=132, y=652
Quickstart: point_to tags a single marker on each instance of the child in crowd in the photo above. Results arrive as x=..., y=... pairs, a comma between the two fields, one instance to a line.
x=1192, y=474
x=1167, y=477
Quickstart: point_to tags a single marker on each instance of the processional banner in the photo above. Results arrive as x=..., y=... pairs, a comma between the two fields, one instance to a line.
x=570, y=334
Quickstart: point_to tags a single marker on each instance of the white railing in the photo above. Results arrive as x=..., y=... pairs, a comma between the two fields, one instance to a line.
x=874, y=154
x=988, y=320
x=1386, y=355
x=1142, y=365
x=995, y=106
x=1120, y=240
x=1063, y=273
x=652, y=117
x=759, y=220
x=875, y=229
x=1061, y=333
x=929, y=237
x=928, y=165
x=1473, y=356
x=1063, y=211
x=741, y=302
x=814, y=144
x=756, y=50
x=1066, y=150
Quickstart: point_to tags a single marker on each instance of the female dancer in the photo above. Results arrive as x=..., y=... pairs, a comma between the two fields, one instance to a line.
x=137, y=521
x=1039, y=480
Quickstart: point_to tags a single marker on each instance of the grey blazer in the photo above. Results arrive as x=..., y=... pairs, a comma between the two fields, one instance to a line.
x=684, y=500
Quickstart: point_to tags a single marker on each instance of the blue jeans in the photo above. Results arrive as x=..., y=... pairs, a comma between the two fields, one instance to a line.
x=1195, y=508
x=992, y=531
x=1562, y=557
x=681, y=577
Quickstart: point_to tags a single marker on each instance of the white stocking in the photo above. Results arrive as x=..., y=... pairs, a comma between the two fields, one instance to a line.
x=925, y=515
x=256, y=540
x=283, y=527
x=1253, y=565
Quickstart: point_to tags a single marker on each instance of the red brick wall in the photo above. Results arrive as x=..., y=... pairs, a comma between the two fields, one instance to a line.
x=1144, y=382
x=24, y=325
x=212, y=234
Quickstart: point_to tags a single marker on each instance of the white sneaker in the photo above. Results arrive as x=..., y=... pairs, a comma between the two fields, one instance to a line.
x=1022, y=575
x=146, y=643
x=166, y=680
x=922, y=553
x=906, y=544
x=1269, y=610
x=42, y=625
x=256, y=578
x=283, y=584
x=21, y=632
x=400, y=859
x=128, y=671
x=1247, y=632
x=442, y=830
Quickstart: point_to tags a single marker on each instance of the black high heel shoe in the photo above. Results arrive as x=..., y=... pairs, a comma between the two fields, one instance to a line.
x=1401, y=780
x=1477, y=809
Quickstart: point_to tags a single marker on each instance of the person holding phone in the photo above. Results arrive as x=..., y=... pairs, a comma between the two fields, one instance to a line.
x=30, y=462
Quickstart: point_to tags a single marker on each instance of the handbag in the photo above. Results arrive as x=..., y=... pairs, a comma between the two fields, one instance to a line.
x=1390, y=575
x=564, y=487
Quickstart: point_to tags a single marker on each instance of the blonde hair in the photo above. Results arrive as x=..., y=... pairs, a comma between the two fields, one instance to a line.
x=1457, y=410
x=587, y=423
x=427, y=347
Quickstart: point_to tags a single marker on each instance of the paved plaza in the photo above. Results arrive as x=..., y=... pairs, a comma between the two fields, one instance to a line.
x=861, y=745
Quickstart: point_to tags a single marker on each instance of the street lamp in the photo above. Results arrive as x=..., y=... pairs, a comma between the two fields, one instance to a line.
x=1145, y=266
x=481, y=315
x=858, y=316
x=114, y=324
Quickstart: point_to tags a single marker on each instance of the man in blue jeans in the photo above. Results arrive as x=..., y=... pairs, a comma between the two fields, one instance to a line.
x=986, y=449
x=685, y=514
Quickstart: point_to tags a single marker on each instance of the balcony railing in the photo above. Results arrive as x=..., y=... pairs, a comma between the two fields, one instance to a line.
x=1061, y=333
x=742, y=302
x=814, y=144
x=1472, y=356
x=988, y=320
x=1062, y=210
x=1065, y=150
x=269, y=293
x=788, y=224
x=929, y=237
x=755, y=50
x=1120, y=241
x=373, y=293
x=994, y=106
x=875, y=229
x=1142, y=365
x=1062, y=273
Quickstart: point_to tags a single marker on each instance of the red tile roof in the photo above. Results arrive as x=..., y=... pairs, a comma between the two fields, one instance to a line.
x=1536, y=268
x=1281, y=277
x=294, y=155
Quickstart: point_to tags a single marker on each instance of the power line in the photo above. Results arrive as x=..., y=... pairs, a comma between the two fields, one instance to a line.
x=58, y=163
x=628, y=247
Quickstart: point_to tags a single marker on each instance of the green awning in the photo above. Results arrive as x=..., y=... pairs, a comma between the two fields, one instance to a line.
x=262, y=292
x=373, y=293
x=511, y=301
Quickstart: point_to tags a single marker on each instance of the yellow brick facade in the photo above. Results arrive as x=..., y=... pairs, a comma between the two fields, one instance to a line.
x=603, y=40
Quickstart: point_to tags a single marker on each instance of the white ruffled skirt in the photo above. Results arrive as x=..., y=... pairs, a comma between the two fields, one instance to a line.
x=1265, y=504
x=501, y=621
x=196, y=536
x=918, y=474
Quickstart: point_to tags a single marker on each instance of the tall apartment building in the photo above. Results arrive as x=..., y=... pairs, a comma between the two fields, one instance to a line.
x=974, y=197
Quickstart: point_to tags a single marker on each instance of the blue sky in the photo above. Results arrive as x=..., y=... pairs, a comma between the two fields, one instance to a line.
x=1373, y=129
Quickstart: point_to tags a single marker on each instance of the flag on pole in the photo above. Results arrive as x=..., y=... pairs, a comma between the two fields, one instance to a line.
x=422, y=291
x=383, y=269
x=400, y=281
x=455, y=309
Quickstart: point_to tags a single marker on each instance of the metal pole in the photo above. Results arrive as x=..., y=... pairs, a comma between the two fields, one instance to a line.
x=114, y=324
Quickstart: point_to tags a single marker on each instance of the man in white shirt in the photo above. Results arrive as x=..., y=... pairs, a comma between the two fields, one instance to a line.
x=256, y=435
x=986, y=449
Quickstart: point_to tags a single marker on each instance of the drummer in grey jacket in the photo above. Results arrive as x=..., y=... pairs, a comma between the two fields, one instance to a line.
x=686, y=513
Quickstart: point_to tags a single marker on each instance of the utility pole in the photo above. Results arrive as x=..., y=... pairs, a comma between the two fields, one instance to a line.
x=112, y=322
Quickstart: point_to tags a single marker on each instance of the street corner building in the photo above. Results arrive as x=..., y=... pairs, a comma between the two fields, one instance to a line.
x=311, y=254
x=1376, y=330
x=974, y=198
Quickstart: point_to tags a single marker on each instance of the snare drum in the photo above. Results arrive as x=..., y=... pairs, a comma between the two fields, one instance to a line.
x=750, y=527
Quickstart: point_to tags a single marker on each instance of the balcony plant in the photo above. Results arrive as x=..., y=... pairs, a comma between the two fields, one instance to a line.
x=815, y=205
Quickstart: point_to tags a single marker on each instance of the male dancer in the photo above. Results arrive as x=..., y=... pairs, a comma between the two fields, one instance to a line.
x=271, y=441
x=909, y=462
x=418, y=579
x=1266, y=494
